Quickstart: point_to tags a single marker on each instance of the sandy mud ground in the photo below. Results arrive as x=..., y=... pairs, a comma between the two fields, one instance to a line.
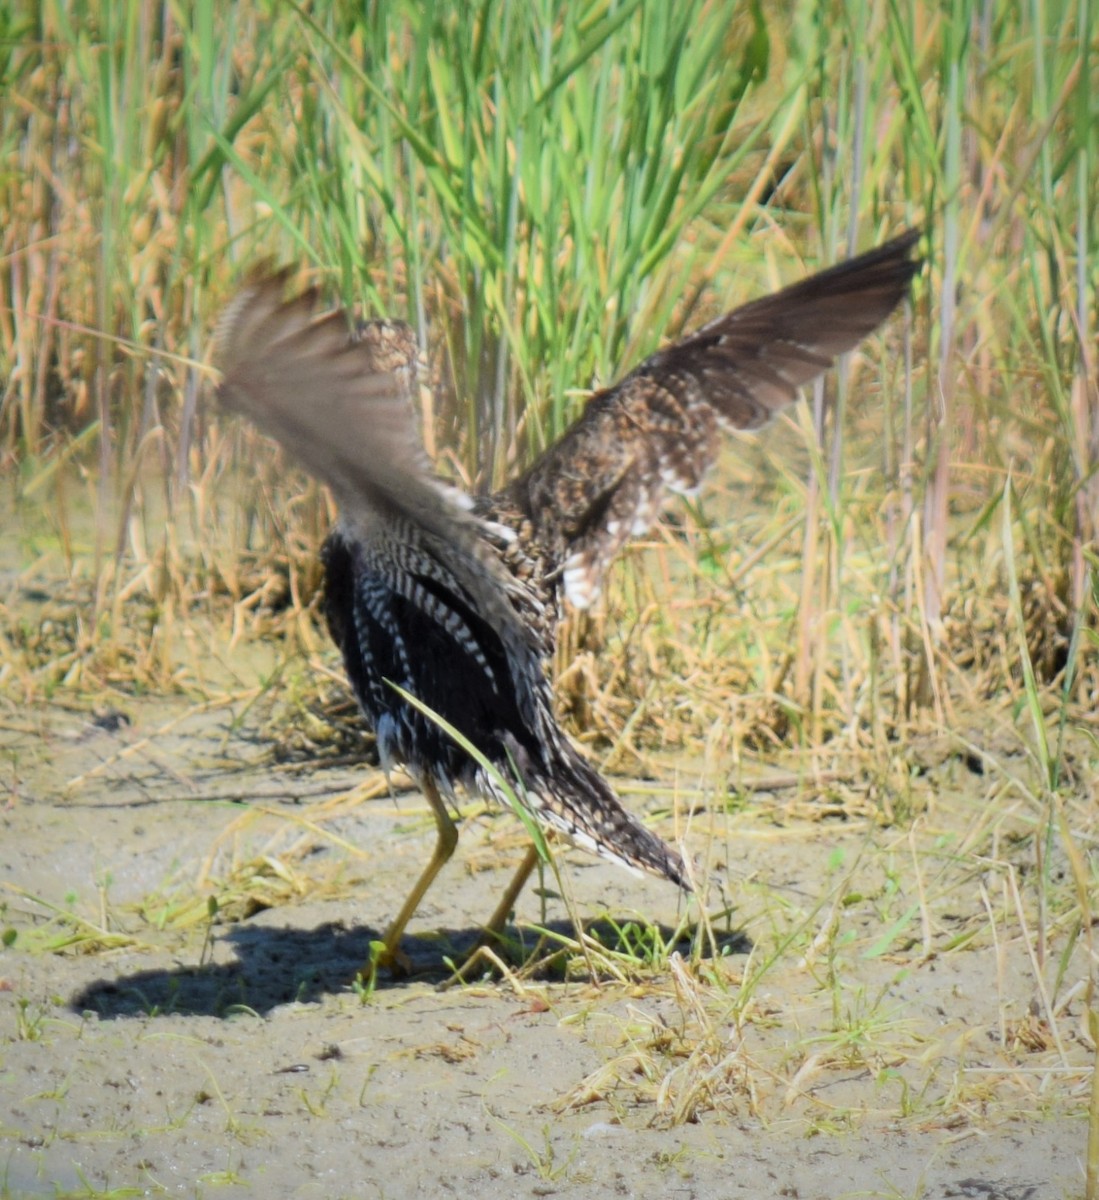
x=177, y=1018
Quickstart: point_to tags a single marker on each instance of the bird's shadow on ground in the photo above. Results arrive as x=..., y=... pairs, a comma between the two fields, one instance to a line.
x=281, y=965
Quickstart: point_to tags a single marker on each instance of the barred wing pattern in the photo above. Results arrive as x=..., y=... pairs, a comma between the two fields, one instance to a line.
x=658, y=430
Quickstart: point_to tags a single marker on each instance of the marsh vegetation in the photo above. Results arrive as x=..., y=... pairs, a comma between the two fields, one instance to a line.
x=858, y=676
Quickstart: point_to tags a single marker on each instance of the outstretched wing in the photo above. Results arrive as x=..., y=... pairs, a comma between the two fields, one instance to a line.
x=658, y=429
x=339, y=400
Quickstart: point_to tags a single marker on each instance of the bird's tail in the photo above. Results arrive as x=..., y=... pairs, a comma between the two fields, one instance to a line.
x=576, y=802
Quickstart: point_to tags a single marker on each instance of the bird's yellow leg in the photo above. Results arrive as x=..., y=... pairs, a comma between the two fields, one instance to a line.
x=507, y=901
x=444, y=847
x=497, y=921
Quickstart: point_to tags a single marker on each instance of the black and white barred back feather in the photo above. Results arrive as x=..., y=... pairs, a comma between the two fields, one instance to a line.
x=455, y=599
x=417, y=590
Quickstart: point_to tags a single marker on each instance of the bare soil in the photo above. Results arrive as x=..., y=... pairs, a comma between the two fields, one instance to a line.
x=184, y=916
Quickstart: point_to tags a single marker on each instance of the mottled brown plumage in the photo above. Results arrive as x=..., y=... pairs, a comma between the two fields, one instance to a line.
x=658, y=430
x=453, y=599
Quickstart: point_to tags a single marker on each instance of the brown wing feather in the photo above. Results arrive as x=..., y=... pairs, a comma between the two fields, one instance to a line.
x=339, y=400
x=657, y=430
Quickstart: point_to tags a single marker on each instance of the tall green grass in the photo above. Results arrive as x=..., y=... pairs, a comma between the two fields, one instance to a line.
x=546, y=190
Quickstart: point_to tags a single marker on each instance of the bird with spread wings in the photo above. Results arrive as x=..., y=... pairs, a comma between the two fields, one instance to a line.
x=453, y=600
